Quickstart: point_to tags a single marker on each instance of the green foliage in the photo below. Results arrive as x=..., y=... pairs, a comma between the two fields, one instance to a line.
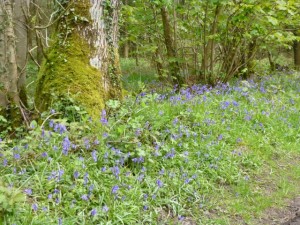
x=228, y=34
x=134, y=77
x=186, y=152
x=11, y=200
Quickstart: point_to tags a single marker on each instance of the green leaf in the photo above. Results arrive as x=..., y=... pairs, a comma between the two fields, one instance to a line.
x=272, y=20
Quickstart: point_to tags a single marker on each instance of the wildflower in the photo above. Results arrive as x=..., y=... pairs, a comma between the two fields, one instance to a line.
x=162, y=172
x=28, y=191
x=220, y=137
x=91, y=188
x=116, y=171
x=44, y=154
x=224, y=105
x=235, y=103
x=115, y=189
x=84, y=197
x=94, y=155
x=159, y=183
x=34, y=207
x=187, y=181
x=59, y=221
x=85, y=178
x=105, y=208
x=180, y=217
x=66, y=145
x=17, y=156
x=145, y=196
x=4, y=162
x=62, y=128
x=87, y=143
x=175, y=121
x=103, y=119
x=93, y=212
x=138, y=160
x=145, y=207
x=76, y=174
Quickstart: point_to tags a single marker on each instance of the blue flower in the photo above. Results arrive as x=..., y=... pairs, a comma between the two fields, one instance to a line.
x=115, y=189
x=105, y=208
x=85, y=197
x=85, y=178
x=93, y=212
x=34, y=207
x=76, y=174
x=66, y=145
x=103, y=119
x=116, y=171
x=94, y=155
x=28, y=191
x=17, y=156
x=159, y=183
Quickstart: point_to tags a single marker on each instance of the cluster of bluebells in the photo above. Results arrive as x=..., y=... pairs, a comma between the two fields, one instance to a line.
x=146, y=161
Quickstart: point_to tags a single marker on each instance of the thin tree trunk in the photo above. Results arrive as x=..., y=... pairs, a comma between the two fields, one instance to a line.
x=171, y=51
x=209, y=48
x=271, y=61
x=296, y=48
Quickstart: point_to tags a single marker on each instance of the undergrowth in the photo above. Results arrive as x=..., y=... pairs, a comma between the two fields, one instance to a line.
x=156, y=158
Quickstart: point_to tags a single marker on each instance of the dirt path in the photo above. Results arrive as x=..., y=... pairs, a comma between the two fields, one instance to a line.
x=287, y=216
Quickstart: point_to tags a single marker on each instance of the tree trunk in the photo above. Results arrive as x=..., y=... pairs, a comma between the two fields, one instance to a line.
x=126, y=43
x=20, y=7
x=209, y=48
x=171, y=51
x=296, y=48
x=9, y=95
x=83, y=61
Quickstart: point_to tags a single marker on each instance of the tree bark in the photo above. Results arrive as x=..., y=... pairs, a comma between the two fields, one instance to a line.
x=296, y=48
x=171, y=51
x=83, y=61
x=21, y=7
x=9, y=95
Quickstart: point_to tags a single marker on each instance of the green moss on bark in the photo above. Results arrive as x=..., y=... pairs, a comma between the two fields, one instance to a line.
x=67, y=71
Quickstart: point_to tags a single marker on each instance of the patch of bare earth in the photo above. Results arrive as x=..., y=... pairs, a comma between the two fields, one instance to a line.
x=290, y=215
x=167, y=217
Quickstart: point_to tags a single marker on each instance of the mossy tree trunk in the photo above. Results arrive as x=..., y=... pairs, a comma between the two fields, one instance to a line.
x=83, y=60
x=10, y=101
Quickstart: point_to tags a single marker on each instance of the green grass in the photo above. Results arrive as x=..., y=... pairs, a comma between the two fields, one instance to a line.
x=213, y=156
x=136, y=77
